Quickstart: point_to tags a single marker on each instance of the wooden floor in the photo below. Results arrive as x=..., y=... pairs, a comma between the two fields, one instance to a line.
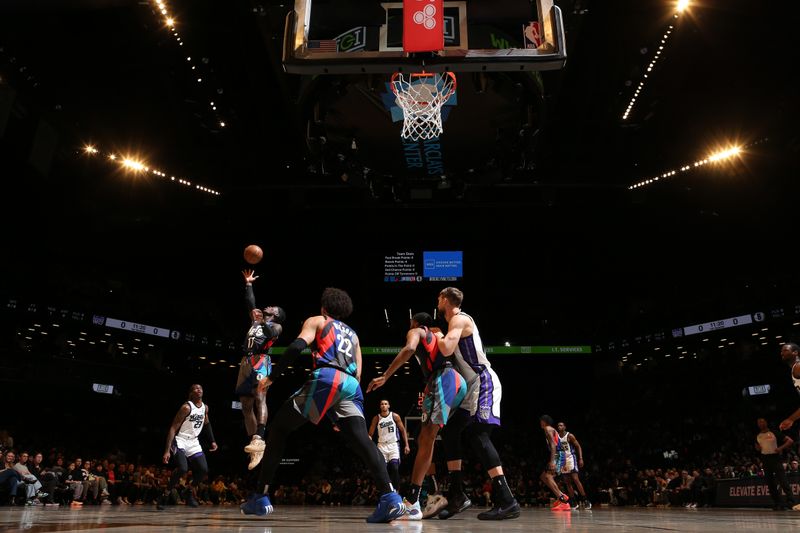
x=142, y=519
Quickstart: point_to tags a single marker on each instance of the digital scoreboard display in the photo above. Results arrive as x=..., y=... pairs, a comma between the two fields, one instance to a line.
x=415, y=267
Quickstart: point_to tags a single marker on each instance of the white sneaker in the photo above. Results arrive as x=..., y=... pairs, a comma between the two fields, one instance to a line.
x=257, y=444
x=255, y=459
x=436, y=502
x=413, y=512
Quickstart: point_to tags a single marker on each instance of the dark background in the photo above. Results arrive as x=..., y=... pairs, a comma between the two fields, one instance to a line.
x=557, y=250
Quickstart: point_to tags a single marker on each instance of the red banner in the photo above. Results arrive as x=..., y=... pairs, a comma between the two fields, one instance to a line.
x=423, y=25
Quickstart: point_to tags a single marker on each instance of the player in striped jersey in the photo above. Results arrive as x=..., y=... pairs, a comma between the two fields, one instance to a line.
x=255, y=365
x=445, y=389
x=570, y=449
x=553, y=464
x=332, y=390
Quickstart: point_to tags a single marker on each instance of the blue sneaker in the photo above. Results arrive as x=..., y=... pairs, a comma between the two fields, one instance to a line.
x=390, y=506
x=257, y=504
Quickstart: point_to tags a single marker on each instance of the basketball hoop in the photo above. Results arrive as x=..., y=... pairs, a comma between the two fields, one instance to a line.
x=421, y=97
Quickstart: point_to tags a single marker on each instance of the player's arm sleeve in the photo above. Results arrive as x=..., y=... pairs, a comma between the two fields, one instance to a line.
x=272, y=331
x=288, y=357
x=249, y=297
x=207, y=431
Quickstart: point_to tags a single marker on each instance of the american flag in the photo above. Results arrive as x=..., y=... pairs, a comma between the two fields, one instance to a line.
x=323, y=46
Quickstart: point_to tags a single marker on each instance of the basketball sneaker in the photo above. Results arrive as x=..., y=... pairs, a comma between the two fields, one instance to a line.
x=455, y=504
x=435, y=504
x=255, y=459
x=257, y=504
x=500, y=512
x=257, y=444
x=413, y=510
x=390, y=506
x=587, y=505
x=561, y=504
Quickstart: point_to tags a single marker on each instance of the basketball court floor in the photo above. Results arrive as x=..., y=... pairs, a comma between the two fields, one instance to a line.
x=351, y=520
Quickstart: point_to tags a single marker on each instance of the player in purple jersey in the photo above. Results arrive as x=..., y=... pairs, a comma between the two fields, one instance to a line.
x=479, y=413
x=332, y=391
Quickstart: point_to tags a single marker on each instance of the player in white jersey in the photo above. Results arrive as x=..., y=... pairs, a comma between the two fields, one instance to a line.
x=183, y=444
x=571, y=461
x=390, y=427
x=479, y=413
x=790, y=353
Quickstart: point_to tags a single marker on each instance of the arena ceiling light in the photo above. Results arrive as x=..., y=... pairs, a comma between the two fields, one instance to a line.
x=681, y=6
x=170, y=24
x=714, y=157
x=132, y=164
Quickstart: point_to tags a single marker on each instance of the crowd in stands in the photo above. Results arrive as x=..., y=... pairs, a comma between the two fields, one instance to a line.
x=323, y=477
x=57, y=480
x=656, y=434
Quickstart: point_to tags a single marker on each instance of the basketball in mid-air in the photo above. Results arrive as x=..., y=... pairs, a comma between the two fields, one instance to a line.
x=253, y=254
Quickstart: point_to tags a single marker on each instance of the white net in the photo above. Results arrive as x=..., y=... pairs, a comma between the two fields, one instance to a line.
x=421, y=97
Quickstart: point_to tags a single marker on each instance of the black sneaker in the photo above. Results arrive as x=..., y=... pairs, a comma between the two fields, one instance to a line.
x=501, y=513
x=161, y=504
x=192, y=502
x=455, y=504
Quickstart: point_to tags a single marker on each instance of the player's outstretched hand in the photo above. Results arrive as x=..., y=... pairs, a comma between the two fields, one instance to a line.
x=376, y=383
x=786, y=424
x=249, y=275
